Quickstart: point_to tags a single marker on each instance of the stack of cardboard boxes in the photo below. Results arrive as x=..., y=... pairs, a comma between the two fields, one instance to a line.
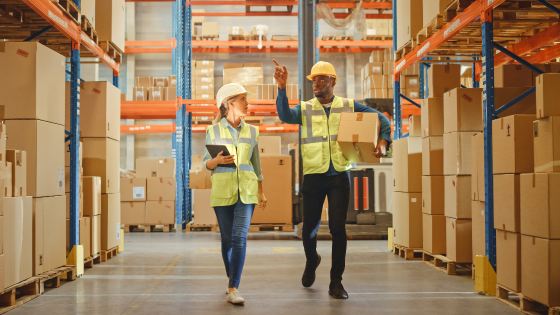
x=409, y=20
x=149, y=199
x=377, y=75
x=246, y=74
x=33, y=96
x=407, y=192
x=461, y=120
x=100, y=136
x=201, y=185
x=203, y=79
x=155, y=89
x=377, y=27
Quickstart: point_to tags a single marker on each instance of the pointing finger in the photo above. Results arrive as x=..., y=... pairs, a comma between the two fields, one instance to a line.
x=285, y=70
x=276, y=62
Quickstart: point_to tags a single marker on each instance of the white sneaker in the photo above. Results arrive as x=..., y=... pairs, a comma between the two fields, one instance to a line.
x=235, y=298
x=227, y=290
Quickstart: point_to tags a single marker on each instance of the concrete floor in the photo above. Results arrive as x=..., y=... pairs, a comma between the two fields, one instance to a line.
x=169, y=273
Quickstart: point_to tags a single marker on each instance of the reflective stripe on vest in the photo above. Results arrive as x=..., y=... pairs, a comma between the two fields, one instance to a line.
x=309, y=113
x=218, y=138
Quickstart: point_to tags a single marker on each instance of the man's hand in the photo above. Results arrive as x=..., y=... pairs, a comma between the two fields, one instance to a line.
x=381, y=149
x=281, y=75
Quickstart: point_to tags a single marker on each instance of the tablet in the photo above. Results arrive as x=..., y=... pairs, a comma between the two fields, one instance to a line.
x=215, y=149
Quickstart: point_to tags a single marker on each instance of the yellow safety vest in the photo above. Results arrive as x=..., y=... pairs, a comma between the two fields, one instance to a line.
x=228, y=181
x=319, y=135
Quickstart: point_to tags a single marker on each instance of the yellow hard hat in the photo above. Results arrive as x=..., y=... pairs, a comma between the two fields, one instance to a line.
x=322, y=68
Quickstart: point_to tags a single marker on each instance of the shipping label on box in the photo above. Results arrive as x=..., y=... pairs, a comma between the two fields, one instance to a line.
x=172, y=81
x=133, y=189
x=373, y=68
x=139, y=94
x=358, y=135
x=161, y=82
x=156, y=94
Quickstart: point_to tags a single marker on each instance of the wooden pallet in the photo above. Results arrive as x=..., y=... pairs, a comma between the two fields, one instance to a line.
x=429, y=29
x=284, y=37
x=254, y=119
x=378, y=37
x=70, y=9
x=108, y=254
x=455, y=7
x=88, y=29
x=51, y=279
x=405, y=49
x=89, y=261
x=18, y=294
x=201, y=37
x=445, y=264
x=523, y=303
x=148, y=228
x=338, y=37
x=407, y=253
x=111, y=50
x=202, y=228
x=268, y=8
x=271, y=228
x=255, y=37
x=236, y=37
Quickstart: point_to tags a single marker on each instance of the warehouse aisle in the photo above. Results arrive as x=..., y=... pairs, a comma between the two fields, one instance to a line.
x=167, y=273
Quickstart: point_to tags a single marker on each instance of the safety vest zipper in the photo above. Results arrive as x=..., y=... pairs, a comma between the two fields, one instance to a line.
x=328, y=135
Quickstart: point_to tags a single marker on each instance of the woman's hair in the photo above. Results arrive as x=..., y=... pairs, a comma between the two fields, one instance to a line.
x=224, y=109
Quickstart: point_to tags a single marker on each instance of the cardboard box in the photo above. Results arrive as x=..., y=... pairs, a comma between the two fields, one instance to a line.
x=409, y=19
x=205, y=96
x=433, y=201
x=546, y=139
x=85, y=236
x=477, y=168
x=17, y=239
x=133, y=213
x=147, y=167
x=100, y=110
x=358, y=136
x=203, y=213
x=44, y=144
x=19, y=171
x=156, y=94
x=200, y=73
x=377, y=93
x=431, y=8
x=412, y=70
x=432, y=156
x=415, y=126
x=508, y=256
x=478, y=229
x=377, y=56
x=462, y=110
x=278, y=191
x=166, y=167
x=110, y=19
x=412, y=93
x=133, y=189
x=170, y=93
x=235, y=30
x=198, y=20
x=432, y=116
x=95, y=234
x=457, y=154
x=244, y=74
x=512, y=76
x=160, y=212
x=6, y=174
x=145, y=82
x=92, y=195
x=459, y=239
x=410, y=81
x=539, y=273
x=33, y=87
x=110, y=220
x=205, y=64
x=270, y=145
x=205, y=88
x=443, y=78
x=457, y=197
x=507, y=202
x=539, y=204
x=2, y=269
x=407, y=219
x=161, y=188
x=49, y=233
x=204, y=80
x=139, y=94
x=199, y=179
x=101, y=158
x=547, y=95
x=160, y=82
x=210, y=29
x=80, y=208
x=3, y=137
x=172, y=81
x=433, y=234
x=526, y=106
x=123, y=97
x=376, y=81
x=512, y=138
x=407, y=161
x=373, y=68
x=87, y=8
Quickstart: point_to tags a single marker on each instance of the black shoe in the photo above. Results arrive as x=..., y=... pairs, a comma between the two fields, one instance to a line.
x=336, y=290
x=309, y=274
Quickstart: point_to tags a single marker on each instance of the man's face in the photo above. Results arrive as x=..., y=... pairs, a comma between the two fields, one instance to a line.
x=322, y=85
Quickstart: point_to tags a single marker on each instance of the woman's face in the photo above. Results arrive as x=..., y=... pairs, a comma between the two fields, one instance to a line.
x=240, y=105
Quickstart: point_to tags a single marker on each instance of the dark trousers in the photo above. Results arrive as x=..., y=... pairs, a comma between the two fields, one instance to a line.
x=315, y=188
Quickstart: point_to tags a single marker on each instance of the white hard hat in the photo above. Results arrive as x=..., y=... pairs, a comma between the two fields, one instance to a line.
x=228, y=91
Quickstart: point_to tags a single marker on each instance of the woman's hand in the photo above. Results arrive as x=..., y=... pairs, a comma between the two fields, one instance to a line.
x=262, y=198
x=220, y=159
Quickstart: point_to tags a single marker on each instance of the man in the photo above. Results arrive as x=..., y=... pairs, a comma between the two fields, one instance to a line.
x=326, y=171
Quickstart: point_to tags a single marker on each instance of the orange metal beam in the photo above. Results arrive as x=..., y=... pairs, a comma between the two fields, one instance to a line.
x=460, y=22
x=150, y=43
x=147, y=129
x=545, y=55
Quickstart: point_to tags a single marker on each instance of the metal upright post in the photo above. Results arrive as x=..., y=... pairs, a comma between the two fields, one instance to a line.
x=74, y=136
x=488, y=107
x=174, y=72
x=396, y=84
x=421, y=75
x=179, y=117
x=317, y=58
x=187, y=125
x=306, y=44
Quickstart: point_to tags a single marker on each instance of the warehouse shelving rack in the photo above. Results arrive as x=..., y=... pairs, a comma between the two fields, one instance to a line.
x=476, y=28
x=49, y=21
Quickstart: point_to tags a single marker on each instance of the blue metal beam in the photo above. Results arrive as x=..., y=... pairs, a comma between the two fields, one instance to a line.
x=550, y=6
x=421, y=79
x=74, y=223
x=464, y=87
x=475, y=84
x=488, y=108
x=517, y=58
x=39, y=33
x=514, y=101
x=411, y=101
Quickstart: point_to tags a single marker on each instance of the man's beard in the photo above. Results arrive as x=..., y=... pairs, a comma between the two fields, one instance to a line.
x=323, y=93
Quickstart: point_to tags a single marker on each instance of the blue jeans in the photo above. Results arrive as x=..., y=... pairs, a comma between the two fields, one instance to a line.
x=234, y=224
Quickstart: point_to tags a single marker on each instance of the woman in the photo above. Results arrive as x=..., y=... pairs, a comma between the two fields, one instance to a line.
x=235, y=191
